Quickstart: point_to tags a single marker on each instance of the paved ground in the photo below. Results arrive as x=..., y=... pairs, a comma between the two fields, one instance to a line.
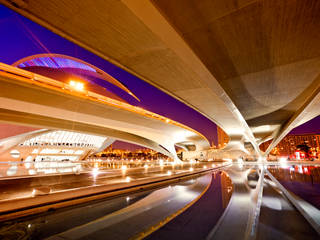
x=24, y=187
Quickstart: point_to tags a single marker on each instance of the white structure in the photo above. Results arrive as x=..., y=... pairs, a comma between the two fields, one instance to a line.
x=48, y=151
x=252, y=68
x=43, y=102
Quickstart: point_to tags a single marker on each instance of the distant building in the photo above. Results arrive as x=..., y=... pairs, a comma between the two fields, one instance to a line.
x=288, y=145
x=118, y=154
x=47, y=152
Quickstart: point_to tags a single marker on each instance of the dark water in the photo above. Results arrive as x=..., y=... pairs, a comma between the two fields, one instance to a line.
x=304, y=181
x=199, y=219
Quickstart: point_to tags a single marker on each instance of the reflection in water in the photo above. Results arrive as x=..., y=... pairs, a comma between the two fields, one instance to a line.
x=198, y=220
x=53, y=222
x=303, y=181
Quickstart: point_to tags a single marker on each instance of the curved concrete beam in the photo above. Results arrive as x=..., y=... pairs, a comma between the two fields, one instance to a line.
x=105, y=144
x=34, y=120
x=23, y=95
x=175, y=63
x=310, y=109
x=224, y=112
x=7, y=144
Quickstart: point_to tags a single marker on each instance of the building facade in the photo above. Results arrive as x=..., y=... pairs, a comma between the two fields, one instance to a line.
x=288, y=145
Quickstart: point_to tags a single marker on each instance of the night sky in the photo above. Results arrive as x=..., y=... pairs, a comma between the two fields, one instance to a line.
x=21, y=37
x=311, y=127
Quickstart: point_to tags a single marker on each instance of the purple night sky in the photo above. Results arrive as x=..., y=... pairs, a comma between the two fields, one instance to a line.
x=311, y=127
x=21, y=38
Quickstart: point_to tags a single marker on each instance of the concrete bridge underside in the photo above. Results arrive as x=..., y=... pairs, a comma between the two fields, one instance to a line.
x=252, y=67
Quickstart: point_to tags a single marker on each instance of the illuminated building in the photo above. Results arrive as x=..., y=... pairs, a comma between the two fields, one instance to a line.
x=288, y=145
x=119, y=154
x=49, y=151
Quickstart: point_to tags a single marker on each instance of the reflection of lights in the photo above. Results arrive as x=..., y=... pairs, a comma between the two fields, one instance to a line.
x=128, y=179
x=32, y=171
x=76, y=85
x=146, y=166
x=33, y=192
x=282, y=159
x=95, y=172
x=123, y=167
x=29, y=225
x=213, y=165
x=184, y=192
x=191, y=169
x=169, y=173
x=204, y=167
x=167, y=120
x=227, y=159
x=127, y=199
x=283, y=162
x=272, y=203
x=161, y=163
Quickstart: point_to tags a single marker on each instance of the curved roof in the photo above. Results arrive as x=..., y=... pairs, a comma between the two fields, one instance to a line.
x=60, y=61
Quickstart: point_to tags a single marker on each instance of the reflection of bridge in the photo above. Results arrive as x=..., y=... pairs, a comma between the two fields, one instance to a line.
x=38, y=101
x=256, y=78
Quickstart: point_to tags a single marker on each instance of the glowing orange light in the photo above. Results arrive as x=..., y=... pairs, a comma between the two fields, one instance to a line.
x=76, y=85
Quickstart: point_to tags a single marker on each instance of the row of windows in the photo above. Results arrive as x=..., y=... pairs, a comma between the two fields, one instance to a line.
x=65, y=138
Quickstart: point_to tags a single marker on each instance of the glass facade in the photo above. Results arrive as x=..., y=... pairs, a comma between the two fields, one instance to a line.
x=66, y=139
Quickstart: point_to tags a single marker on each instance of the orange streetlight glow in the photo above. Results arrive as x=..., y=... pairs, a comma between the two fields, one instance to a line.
x=76, y=85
